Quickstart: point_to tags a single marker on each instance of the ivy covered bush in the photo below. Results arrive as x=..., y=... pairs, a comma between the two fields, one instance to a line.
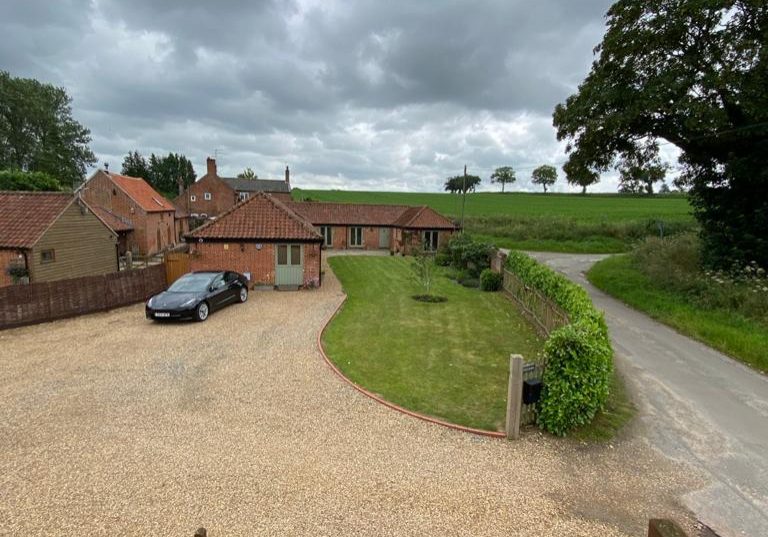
x=579, y=355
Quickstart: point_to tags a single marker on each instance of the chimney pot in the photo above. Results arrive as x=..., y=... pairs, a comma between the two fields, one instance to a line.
x=211, y=165
x=287, y=175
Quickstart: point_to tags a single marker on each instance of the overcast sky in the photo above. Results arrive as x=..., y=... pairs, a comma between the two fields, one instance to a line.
x=385, y=95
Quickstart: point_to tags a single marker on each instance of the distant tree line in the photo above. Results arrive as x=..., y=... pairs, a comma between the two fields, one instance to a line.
x=163, y=173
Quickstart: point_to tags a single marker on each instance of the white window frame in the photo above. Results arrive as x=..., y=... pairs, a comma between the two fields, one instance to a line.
x=243, y=195
x=433, y=243
x=352, y=233
x=193, y=198
x=207, y=196
x=327, y=233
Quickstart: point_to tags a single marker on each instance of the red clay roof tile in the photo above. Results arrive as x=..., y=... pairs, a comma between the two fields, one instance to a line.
x=24, y=216
x=142, y=193
x=361, y=214
x=260, y=217
x=114, y=222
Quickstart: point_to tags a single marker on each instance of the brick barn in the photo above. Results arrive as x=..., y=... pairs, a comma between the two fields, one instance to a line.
x=262, y=238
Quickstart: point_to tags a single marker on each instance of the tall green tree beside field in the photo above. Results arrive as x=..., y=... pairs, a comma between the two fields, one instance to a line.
x=692, y=73
x=580, y=176
x=38, y=132
x=637, y=175
x=461, y=183
x=545, y=175
x=504, y=175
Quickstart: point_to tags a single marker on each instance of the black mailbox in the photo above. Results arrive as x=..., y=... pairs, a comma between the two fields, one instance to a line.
x=531, y=391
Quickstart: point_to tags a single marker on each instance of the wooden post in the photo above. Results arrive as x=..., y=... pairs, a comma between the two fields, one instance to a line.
x=514, y=396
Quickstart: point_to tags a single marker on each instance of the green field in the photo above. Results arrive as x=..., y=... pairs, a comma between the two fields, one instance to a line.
x=593, y=223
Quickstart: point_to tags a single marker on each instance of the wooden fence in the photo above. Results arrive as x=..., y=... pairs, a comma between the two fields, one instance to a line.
x=546, y=315
x=48, y=301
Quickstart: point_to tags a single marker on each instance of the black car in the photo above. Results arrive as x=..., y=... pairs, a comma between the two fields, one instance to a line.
x=196, y=294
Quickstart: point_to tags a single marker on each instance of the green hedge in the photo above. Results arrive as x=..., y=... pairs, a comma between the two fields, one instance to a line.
x=490, y=280
x=579, y=355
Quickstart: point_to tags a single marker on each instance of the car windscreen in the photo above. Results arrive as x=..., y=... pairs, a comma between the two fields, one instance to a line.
x=191, y=283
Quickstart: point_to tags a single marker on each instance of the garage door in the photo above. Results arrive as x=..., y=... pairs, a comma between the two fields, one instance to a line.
x=289, y=265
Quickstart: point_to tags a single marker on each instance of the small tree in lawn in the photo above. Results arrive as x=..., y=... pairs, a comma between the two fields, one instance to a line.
x=424, y=268
x=503, y=175
x=545, y=176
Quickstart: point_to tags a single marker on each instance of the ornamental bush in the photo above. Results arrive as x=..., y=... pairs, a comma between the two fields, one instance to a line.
x=465, y=253
x=579, y=355
x=490, y=280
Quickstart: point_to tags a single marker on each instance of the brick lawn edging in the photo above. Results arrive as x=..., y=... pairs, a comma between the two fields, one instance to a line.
x=389, y=404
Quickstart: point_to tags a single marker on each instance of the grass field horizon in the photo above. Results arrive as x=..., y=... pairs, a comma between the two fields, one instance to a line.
x=563, y=222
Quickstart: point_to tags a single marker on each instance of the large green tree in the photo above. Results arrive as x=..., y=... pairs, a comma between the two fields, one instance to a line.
x=503, y=175
x=27, y=181
x=247, y=173
x=38, y=133
x=692, y=73
x=135, y=165
x=545, y=175
x=462, y=183
x=163, y=173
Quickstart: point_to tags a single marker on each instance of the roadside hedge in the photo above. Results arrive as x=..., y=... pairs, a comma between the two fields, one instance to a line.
x=579, y=355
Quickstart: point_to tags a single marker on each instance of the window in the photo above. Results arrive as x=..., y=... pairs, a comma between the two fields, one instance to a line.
x=282, y=254
x=327, y=233
x=243, y=195
x=429, y=241
x=218, y=282
x=356, y=236
x=47, y=256
x=193, y=198
x=295, y=254
x=207, y=196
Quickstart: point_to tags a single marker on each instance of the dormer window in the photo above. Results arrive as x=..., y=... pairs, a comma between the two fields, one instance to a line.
x=207, y=196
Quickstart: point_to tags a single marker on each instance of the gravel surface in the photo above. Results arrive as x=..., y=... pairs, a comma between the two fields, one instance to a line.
x=113, y=425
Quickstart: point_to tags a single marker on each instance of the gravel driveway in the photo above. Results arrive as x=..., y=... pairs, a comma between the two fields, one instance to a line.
x=112, y=425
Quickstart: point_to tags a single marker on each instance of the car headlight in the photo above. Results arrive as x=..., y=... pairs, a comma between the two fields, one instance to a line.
x=189, y=302
x=149, y=302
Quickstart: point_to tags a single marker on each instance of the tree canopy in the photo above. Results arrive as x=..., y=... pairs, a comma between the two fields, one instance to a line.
x=28, y=181
x=38, y=133
x=461, y=183
x=692, y=73
x=247, y=173
x=503, y=175
x=545, y=175
x=163, y=173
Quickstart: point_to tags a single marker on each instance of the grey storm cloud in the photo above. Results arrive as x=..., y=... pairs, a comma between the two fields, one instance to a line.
x=358, y=95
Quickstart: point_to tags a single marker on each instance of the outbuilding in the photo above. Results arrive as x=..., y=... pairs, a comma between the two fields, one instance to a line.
x=262, y=238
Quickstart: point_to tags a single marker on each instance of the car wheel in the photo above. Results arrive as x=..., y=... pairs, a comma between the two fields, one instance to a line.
x=243, y=295
x=201, y=312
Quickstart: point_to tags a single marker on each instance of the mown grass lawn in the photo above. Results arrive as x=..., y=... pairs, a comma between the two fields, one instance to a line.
x=742, y=338
x=449, y=360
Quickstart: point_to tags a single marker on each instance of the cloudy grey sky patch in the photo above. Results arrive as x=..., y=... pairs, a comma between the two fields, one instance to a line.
x=357, y=95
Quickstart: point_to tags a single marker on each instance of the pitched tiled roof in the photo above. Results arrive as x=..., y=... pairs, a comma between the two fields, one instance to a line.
x=114, y=222
x=24, y=216
x=144, y=195
x=260, y=217
x=424, y=218
x=361, y=214
x=346, y=214
x=256, y=185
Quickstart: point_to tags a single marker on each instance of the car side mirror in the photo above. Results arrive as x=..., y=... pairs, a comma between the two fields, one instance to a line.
x=211, y=288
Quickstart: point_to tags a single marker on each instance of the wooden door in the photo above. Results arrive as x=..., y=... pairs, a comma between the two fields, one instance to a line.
x=176, y=266
x=289, y=264
x=384, y=237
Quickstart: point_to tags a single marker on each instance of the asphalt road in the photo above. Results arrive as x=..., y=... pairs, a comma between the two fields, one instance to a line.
x=696, y=405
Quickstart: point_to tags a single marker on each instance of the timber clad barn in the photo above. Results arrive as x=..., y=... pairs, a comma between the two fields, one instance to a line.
x=262, y=238
x=53, y=236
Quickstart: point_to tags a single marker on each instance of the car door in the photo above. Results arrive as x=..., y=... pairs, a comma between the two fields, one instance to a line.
x=219, y=292
x=233, y=285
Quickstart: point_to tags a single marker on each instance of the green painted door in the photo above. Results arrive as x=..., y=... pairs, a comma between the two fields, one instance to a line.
x=289, y=264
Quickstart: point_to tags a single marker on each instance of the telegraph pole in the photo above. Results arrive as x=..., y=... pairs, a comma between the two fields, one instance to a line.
x=463, y=197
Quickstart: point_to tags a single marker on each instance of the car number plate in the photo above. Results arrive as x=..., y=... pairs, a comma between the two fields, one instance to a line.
x=162, y=314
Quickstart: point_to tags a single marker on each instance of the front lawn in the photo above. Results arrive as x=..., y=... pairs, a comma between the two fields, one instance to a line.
x=449, y=360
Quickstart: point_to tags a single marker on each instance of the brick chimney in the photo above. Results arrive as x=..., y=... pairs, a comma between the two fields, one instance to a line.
x=211, y=165
x=287, y=175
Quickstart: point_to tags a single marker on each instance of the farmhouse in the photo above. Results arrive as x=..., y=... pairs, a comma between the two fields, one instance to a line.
x=137, y=205
x=51, y=236
x=262, y=238
x=212, y=195
x=397, y=228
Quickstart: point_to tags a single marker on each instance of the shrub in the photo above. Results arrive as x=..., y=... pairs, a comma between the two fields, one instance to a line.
x=474, y=283
x=579, y=355
x=468, y=254
x=442, y=259
x=490, y=280
x=29, y=181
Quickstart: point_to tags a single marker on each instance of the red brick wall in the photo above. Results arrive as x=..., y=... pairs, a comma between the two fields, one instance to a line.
x=164, y=223
x=222, y=199
x=408, y=247
x=6, y=258
x=245, y=257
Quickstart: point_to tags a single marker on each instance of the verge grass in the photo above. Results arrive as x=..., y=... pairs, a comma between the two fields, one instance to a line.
x=740, y=337
x=449, y=360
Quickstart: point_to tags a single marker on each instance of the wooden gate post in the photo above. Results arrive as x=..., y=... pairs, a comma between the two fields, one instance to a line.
x=514, y=396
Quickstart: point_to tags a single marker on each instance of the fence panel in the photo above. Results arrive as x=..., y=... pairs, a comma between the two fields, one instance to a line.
x=48, y=301
x=545, y=314
x=176, y=265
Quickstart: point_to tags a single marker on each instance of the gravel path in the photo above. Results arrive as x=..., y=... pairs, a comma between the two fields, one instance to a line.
x=112, y=425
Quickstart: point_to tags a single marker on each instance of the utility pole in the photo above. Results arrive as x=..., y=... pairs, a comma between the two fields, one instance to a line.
x=463, y=197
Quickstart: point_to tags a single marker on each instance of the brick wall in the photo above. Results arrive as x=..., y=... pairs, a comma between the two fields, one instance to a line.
x=223, y=197
x=8, y=257
x=162, y=222
x=246, y=257
x=410, y=239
